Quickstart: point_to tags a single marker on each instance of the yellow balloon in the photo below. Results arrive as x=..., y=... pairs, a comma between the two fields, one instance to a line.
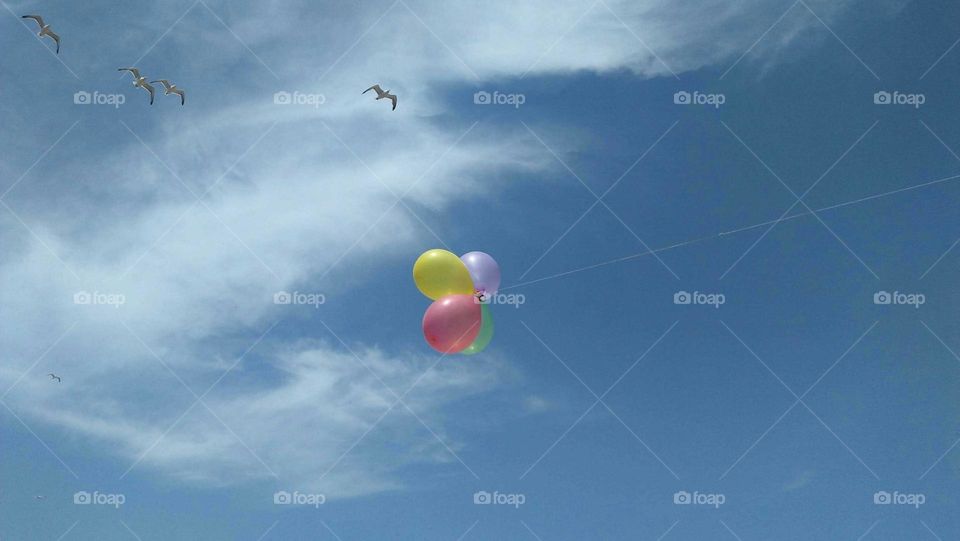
x=439, y=273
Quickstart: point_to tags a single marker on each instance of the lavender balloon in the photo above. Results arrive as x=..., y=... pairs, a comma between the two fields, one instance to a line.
x=484, y=271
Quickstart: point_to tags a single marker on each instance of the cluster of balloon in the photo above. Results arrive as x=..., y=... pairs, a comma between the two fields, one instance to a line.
x=458, y=320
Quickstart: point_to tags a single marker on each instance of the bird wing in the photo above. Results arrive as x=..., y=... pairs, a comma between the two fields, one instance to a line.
x=149, y=89
x=164, y=82
x=374, y=87
x=55, y=38
x=134, y=71
x=394, y=100
x=37, y=18
x=182, y=94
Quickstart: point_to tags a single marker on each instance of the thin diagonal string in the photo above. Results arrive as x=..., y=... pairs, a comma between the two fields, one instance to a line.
x=734, y=231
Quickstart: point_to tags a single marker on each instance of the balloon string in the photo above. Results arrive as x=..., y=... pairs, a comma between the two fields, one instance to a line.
x=733, y=231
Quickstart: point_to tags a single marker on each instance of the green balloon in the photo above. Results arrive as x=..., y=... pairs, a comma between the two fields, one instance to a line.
x=485, y=335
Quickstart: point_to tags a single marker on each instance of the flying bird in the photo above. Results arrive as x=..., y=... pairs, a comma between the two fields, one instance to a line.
x=54, y=376
x=381, y=94
x=44, y=29
x=140, y=81
x=169, y=88
x=39, y=497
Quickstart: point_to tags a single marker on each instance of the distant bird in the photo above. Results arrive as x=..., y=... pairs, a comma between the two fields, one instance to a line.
x=169, y=88
x=381, y=94
x=44, y=29
x=140, y=81
x=54, y=376
x=39, y=497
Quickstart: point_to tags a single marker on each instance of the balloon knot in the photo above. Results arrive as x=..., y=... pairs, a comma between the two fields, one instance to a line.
x=480, y=295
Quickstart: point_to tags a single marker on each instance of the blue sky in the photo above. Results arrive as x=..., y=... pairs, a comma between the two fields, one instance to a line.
x=796, y=402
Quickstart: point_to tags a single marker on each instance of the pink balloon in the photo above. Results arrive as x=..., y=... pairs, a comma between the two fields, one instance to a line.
x=452, y=323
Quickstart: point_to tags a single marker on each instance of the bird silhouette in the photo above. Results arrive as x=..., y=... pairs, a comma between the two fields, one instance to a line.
x=44, y=29
x=383, y=94
x=140, y=81
x=170, y=88
x=54, y=376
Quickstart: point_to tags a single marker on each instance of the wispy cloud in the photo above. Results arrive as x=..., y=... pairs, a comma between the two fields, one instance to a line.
x=197, y=220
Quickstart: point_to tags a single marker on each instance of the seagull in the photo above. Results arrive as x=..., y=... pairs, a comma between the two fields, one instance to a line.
x=44, y=29
x=169, y=88
x=381, y=93
x=54, y=376
x=140, y=81
x=39, y=497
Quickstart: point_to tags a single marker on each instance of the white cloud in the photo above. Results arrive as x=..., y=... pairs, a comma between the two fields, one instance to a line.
x=199, y=279
x=323, y=402
x=801, y=480
x=537, y=404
